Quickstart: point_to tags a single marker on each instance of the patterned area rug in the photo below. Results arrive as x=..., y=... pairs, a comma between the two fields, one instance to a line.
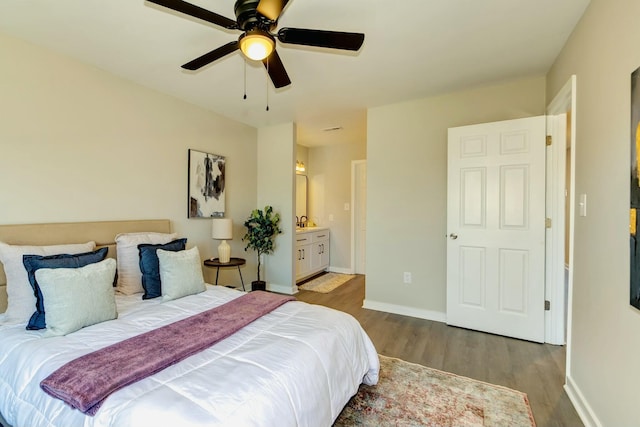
x=327, y=282
x=414, y=395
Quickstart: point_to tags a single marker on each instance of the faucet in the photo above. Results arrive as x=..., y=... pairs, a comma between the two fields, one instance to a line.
x=297, y=221
x=303, y=222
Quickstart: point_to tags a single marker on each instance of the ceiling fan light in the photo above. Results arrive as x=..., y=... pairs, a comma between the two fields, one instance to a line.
x=257, y=45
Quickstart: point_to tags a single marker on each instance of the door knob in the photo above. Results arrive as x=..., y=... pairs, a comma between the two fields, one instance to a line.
x=453, y=236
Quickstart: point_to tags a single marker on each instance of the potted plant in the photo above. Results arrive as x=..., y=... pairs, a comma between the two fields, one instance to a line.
x=262, y=228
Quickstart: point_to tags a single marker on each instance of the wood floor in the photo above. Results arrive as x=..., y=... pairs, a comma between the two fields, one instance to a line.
x=535, y=369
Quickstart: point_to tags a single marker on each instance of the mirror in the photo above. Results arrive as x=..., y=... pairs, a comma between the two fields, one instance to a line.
x=301, y=196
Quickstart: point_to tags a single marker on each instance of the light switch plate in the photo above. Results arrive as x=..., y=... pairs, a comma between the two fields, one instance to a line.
x=582, y=205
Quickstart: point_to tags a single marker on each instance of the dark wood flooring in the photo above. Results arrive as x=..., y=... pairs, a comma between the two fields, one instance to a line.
x=535, y=369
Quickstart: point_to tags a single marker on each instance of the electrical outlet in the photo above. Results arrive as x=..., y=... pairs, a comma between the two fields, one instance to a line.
x=407, y=277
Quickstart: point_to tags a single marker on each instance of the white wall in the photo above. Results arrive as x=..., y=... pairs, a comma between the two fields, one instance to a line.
x=276, y=187
x=407, y=188
x=79, y=144
x=602, y=369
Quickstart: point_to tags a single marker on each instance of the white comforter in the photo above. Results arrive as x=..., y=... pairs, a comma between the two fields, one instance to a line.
x=296, y=366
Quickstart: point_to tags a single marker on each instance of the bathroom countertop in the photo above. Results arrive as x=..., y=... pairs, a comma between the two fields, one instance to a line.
x=300, y=230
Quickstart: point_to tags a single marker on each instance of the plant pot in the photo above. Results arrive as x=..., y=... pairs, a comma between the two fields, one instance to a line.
x=258, y=285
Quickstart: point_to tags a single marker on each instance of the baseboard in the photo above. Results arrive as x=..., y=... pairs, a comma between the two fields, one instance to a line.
x=281, y=289
x=584, y=410
x=340, y=270
x=436, y=316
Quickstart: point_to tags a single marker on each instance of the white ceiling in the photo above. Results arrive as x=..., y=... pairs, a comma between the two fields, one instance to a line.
x=412, y=49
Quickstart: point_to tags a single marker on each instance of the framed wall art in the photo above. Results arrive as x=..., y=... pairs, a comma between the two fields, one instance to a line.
x=206, y=174
x=634, y=238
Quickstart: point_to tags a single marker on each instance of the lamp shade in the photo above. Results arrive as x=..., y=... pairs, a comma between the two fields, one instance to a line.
x=221, y=229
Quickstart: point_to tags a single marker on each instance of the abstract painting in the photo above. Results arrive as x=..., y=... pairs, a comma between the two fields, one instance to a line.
x=206, y=185
x=635, y=191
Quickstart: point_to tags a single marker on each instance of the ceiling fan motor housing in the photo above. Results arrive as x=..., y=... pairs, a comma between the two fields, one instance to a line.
x=248, y=17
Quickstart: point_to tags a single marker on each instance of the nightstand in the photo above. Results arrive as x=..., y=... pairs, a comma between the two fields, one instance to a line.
x=233, y=262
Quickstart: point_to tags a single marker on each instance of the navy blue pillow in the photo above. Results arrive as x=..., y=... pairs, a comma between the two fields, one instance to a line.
x=150, y=265
x=32, y=263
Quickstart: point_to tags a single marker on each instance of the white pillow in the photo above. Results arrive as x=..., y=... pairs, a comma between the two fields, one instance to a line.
x=180, y=273
x=78, y=297
x=129, y=274
x=22, y=301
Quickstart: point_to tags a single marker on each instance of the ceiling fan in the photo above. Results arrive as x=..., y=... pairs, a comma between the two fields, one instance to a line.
x=258, y=19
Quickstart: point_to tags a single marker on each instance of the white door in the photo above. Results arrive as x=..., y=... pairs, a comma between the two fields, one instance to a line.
x=496, y=228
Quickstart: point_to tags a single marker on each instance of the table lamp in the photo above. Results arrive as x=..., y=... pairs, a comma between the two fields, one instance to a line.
x=222, y=230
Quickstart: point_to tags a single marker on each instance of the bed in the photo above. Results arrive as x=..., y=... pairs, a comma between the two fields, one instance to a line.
x=297, y=365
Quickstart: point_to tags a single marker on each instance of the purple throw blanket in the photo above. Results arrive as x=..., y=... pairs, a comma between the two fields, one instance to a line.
x=84, y=383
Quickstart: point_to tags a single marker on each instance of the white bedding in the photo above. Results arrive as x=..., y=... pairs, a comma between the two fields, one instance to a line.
x=296, y=366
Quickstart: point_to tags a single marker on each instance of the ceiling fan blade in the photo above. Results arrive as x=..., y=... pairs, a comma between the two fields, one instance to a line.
x=209, y=57
x=276, y=70
x=321, y=38
x=197, y=12
x=271, y=9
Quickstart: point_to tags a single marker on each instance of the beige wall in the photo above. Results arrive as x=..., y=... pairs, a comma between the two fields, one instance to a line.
x=79, y=144
x=407, y=188
x=276, y=187
x=329, y=173
x=604, y=347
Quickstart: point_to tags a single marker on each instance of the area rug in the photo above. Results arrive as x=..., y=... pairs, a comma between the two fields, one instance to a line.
x=414, y=395
x=327, y=282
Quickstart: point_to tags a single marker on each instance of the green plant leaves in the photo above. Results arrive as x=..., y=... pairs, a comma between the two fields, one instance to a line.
x=262, y=227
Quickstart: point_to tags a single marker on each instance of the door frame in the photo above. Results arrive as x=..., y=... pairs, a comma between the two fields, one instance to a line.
x=555, y=325
x=354, y=224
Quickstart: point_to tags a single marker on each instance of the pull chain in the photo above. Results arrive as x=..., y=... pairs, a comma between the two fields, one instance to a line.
x=267, y=85
x=245, y=79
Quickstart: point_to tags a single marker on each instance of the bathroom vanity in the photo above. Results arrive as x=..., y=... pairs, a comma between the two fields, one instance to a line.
x=311, y=254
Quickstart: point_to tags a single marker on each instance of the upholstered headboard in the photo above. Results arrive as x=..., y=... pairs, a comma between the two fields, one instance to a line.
x=101, y=232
